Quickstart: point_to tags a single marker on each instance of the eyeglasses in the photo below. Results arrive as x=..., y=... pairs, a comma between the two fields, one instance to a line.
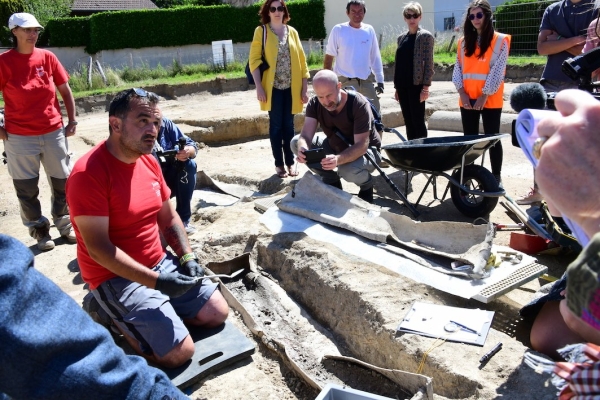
x=479, y=15
x=280, y=9
x=139, y=92
x=411, y=16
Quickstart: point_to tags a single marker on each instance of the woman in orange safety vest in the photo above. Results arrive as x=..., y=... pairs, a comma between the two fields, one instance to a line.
x=479, y=76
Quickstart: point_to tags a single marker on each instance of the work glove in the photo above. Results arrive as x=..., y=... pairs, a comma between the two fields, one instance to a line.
x=379, y=88
x=174, y=284
x=194, y=269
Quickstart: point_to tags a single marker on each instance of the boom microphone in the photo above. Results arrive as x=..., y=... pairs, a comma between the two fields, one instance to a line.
x=527, y=95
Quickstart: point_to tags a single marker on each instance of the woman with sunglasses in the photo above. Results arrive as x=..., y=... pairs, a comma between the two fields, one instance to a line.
x=282, y=91
x=479, y=76
x=33, y=130
x=413, y=71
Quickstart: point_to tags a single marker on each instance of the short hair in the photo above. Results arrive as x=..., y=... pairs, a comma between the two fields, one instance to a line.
x=414, y=7
x=356, y=3
x=120, y=104
x=265, y=18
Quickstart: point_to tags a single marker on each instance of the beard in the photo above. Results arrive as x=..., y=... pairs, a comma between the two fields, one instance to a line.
x=136, y=147
x=331, y=106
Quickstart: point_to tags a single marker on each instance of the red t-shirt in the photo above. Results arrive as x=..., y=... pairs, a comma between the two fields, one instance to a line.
x=130, y=195
x=28, y=84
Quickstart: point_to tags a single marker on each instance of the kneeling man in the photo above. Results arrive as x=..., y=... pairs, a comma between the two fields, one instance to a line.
x=119, y=203
x=341, y=126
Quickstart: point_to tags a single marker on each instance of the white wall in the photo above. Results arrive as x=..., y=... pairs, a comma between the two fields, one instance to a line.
x=384, y=15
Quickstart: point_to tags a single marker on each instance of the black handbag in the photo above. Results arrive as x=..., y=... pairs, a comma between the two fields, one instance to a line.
x=263, y=66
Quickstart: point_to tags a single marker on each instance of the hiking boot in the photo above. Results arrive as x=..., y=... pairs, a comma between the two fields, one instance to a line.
x=69, y=235
x=534, y=196
x=499, y=180
x=366, y=195
x=42, y=235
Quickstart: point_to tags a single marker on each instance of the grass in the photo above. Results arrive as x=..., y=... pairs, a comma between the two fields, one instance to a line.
x=176, y=74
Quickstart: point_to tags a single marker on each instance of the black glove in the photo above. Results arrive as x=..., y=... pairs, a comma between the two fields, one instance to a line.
x=174, y=284
x=379, y=88
x=194, y=269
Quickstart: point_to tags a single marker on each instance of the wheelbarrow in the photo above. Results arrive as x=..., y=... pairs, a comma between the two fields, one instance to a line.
x=473, y=188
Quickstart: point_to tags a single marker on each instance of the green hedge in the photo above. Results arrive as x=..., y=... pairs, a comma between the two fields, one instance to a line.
x=178, y=26
x=66, y=32
x=8, y=8
x=521, y=19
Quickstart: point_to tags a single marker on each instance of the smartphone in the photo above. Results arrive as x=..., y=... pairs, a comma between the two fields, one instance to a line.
x=314, y=156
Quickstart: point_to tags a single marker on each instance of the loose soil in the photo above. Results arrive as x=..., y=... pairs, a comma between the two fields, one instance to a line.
x=356, y=314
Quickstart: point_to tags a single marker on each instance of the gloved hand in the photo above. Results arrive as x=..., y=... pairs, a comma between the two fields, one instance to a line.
x=194, y=269
x=379, y=88
x=174, y=284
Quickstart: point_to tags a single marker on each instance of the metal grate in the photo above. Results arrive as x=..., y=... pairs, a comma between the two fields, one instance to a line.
x=521, y=276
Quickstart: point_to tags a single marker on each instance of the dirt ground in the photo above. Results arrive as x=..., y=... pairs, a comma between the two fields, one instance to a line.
x=225, y=231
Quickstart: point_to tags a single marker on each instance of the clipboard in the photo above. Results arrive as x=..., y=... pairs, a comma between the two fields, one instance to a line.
x=455, y=324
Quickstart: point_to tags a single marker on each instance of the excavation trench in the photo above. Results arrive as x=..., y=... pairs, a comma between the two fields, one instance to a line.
x=309, y=300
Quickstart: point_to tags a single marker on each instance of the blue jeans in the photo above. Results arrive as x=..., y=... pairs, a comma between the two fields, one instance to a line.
x=281, y=126
x=182, y=182
x=51, y=349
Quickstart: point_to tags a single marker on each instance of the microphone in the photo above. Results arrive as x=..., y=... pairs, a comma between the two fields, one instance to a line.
x=527, y=95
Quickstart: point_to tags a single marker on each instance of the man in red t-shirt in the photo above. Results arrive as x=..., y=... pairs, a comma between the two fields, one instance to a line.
x=119, y=204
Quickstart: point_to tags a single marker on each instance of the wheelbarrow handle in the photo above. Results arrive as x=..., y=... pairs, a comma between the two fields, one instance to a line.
x=412, y=209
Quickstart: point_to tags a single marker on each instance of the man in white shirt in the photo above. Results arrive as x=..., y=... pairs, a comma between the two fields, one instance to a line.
x=354, y=46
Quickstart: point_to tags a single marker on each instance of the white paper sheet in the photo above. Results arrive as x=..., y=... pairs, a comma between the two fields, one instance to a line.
x=279, y=221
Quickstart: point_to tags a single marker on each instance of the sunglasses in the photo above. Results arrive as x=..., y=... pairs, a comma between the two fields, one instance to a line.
x=411, y=16
x=116, y=104
x=280, y=9
x=479, y=15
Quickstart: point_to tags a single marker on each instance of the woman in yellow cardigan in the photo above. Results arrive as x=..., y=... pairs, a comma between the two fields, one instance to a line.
x=283, y=88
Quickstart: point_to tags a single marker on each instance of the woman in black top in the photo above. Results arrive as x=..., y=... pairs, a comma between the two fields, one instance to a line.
x=413, y=71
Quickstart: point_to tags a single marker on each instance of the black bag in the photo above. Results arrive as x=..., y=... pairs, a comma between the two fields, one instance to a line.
x=263, y=66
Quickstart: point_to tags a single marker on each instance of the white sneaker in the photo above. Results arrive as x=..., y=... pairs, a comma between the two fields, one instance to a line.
x=189, y=229
x=534, y=196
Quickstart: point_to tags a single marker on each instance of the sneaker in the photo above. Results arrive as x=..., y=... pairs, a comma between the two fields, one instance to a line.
x=42, y=235
x=189, y=229
x=499, y=180
x=69, y=235
x=534, y=196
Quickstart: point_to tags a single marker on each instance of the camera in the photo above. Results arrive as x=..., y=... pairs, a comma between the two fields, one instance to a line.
x=314, y=156
x=165, y=156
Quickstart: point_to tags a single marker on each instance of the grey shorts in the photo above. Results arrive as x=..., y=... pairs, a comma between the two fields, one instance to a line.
x=149, y=316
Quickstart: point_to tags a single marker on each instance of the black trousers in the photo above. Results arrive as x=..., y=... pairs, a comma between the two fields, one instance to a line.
x=413, y=111
x=491, y=125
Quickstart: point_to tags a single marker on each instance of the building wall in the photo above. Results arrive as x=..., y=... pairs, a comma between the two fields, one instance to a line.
x=446, y=9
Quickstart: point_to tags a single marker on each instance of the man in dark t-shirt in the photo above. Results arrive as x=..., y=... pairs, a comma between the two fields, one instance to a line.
x=329, y=108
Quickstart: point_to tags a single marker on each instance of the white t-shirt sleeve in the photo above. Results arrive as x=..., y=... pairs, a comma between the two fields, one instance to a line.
x=376, y=64
x=332, y=42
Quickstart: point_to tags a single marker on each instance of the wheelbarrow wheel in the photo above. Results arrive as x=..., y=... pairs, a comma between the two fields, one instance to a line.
x=475, y=177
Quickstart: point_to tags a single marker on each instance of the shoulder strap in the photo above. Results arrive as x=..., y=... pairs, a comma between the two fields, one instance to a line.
x=350, y=104
x=264, y=42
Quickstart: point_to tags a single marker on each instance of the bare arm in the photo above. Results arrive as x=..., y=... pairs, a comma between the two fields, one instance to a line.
x=94, y=231
x=69, y=100
x=328, y=62
x=550, y=43
x=173, y=230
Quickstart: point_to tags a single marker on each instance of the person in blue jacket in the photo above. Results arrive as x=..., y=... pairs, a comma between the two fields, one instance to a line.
x=46, y=358
x=179, y=170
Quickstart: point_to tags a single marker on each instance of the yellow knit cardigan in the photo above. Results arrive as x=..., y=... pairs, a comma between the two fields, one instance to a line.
x=298, y=62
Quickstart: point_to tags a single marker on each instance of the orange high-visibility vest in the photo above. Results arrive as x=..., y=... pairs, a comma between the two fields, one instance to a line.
x=475, y=71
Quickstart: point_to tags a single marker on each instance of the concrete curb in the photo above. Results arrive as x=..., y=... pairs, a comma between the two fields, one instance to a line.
x=451, y=121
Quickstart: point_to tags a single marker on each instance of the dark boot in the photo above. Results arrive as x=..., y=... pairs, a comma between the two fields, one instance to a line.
x=366, y=195
x=337, y=184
